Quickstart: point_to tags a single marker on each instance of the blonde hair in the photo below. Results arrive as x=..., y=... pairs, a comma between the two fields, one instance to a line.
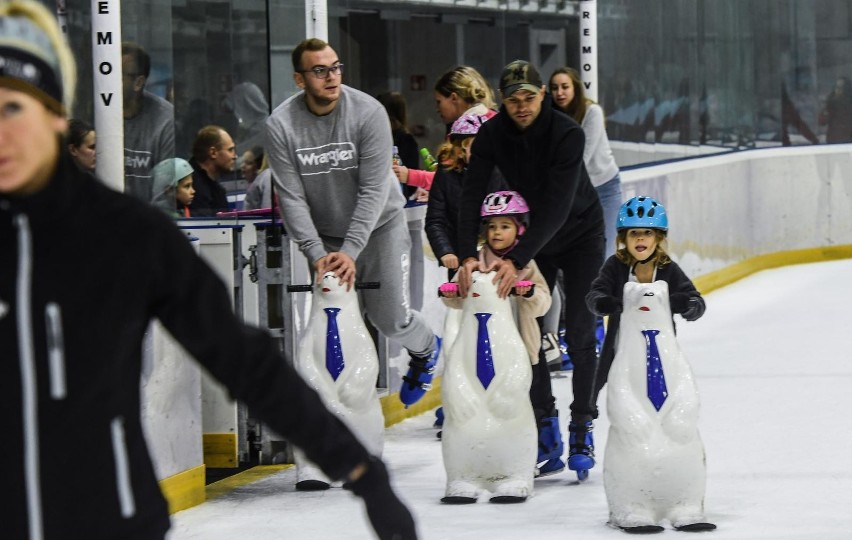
x=468, y=84
x=452, y=154
x=659, y=258
x=46, y=22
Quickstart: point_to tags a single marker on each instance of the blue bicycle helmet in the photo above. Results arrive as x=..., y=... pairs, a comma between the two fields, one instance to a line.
x=642, y=212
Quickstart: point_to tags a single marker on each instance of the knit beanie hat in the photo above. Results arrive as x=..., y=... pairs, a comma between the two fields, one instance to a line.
x=28, y=62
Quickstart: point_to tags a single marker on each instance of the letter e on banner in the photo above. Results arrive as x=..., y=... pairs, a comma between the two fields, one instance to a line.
x=109, y=116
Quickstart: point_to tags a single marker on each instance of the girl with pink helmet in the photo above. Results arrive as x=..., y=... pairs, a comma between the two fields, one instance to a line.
x=505, y=218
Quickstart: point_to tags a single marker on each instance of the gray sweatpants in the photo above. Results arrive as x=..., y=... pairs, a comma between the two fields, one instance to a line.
x=387, y=259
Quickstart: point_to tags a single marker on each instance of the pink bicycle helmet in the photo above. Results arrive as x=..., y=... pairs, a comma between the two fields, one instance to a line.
x=467, y=125
x=509, y=204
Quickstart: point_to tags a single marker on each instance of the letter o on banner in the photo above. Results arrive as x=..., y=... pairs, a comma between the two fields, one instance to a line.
x=587, y=67
x=105, y=68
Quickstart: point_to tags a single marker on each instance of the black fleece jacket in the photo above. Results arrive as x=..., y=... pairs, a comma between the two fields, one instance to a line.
x=544, y=163
x=83, y=269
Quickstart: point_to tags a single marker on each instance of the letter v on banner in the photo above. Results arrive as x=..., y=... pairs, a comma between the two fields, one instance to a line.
x=589, y=47
x=109, y=105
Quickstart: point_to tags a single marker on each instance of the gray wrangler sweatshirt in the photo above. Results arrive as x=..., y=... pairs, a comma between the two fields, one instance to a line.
x=333, y=172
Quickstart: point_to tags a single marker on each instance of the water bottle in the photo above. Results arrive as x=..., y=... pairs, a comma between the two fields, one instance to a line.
x=428, y=161
x=396, y=160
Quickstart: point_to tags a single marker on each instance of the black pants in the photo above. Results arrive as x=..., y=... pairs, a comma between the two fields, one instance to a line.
x=580, y=263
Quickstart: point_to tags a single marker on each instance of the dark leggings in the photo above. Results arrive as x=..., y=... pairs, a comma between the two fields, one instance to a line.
x=580, y=263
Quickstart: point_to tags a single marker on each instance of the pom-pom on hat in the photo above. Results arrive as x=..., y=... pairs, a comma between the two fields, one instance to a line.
x=28, y=62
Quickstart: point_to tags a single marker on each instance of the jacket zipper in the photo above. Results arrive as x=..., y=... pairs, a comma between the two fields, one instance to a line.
x=28, y=376
x=55, y=351
x=122, y=468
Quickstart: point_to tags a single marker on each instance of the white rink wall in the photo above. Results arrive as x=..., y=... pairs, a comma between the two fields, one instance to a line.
x=635, y=153
x=728, y=208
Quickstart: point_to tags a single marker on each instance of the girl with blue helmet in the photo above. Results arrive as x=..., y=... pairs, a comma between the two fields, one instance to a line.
x=642, y=226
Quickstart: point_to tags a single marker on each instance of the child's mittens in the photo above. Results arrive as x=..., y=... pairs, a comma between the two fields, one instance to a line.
x=688, y=306
x=607, y=305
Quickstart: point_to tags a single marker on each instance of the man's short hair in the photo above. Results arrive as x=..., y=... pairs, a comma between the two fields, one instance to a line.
x=310, y=44
x=205, y=138
x=141, y=59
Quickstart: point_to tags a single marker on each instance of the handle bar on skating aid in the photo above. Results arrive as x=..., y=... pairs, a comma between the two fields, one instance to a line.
x=368, y=285
x=452, y=287
x=310, y=288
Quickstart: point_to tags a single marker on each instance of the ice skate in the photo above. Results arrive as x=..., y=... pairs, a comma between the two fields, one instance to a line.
x=581, y=448
x=552, y=354
x=550, y=447
x=567, y=364
x=418, y=380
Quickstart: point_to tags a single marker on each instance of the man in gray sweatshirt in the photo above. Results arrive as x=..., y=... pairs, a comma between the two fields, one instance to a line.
x=329, y=148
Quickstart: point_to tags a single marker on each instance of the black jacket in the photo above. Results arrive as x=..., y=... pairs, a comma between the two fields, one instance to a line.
x=610, y=283
x=442, y=214
x=83, y=269
x=210, y=196
x=544, y=163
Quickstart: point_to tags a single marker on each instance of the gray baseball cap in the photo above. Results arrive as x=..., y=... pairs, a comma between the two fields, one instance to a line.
x=519, y=75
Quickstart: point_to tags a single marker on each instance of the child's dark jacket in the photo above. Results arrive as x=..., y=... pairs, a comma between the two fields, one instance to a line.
x=610, y=282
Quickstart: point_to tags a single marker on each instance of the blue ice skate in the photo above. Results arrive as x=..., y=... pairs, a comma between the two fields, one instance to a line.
x=600, y=334
x=439, y=417
x=550, y=447
x=567, y=364
x=418, y=380
x=581, y=448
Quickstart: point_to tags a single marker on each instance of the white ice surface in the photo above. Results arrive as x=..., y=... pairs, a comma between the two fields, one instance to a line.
x=773, y=365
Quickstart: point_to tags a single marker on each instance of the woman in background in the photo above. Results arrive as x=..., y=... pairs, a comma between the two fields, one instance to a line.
x=462, y=90
x=566, y=88
x=81, y=145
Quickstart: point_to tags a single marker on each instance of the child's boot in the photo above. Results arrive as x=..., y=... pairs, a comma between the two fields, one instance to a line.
x=581, y=448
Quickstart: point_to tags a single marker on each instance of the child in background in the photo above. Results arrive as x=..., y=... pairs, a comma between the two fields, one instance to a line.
x=173, y=191
x=445, y=195
x=642, y=226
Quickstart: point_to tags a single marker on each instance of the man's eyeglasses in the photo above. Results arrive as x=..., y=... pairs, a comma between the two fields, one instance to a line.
x=324, y=72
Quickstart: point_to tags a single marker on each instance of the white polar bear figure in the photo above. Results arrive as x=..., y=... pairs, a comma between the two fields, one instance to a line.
x=654, y=465
x=489, y=434
x=343, y=372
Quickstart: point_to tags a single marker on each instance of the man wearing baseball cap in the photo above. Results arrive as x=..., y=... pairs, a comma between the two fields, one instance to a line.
x=539, y=151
